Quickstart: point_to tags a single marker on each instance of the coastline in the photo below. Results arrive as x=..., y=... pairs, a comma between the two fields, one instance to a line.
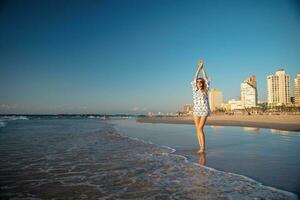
x=279, y=122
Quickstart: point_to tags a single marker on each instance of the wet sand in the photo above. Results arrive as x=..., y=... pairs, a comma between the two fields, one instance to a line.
x=280, y=122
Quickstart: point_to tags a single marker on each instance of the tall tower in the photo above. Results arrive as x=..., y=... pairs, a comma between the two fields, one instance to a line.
x=297, y=89
x=215, y=99
x=278, y=88
x=249, y=92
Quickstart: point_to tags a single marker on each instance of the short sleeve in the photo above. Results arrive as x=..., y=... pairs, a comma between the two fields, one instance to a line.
x=193, y=83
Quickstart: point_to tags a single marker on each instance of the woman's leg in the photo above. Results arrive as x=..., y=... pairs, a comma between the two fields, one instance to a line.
x=201, y=133
x=197, y=122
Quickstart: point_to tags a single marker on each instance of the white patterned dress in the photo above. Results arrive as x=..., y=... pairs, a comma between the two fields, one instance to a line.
x=201, y=103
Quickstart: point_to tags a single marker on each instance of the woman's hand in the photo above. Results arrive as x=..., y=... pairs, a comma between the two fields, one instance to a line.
x=200, y=67
x=200, y=64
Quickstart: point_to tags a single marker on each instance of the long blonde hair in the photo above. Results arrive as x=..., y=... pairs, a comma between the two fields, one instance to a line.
x=204, y=85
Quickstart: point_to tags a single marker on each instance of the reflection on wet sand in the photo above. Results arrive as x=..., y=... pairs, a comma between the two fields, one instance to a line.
x=252, y=129
x=282, y=132
x=202, y=158
x=216, y=127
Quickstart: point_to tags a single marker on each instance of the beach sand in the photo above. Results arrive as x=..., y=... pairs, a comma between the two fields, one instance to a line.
x=280, y=122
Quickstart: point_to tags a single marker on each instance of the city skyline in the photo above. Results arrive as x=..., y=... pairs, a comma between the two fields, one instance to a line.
x=221, y=104
x=134, y=57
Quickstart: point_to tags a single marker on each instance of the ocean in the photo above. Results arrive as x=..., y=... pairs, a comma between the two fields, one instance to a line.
x=83, y=157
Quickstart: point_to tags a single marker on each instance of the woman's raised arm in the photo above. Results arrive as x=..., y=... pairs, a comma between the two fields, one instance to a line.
x=204, y=73
x=200, y=66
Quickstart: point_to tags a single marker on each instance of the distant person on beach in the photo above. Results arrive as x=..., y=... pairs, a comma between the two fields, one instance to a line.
x=201, y=110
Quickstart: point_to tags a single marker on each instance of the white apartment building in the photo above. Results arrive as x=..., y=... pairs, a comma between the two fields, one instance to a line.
x=278, y=88
x=249, y=92
x=235, y=104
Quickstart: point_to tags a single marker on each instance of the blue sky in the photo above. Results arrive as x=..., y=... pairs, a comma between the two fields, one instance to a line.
x=138, y=56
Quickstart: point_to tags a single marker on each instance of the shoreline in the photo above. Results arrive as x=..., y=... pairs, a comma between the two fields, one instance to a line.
x=193, y=158
x=279, y=122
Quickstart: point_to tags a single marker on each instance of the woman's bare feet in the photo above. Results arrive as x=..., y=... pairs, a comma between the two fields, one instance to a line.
x=202, y=149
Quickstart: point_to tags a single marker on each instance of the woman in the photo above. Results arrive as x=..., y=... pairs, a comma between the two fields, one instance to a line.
x=200, y=88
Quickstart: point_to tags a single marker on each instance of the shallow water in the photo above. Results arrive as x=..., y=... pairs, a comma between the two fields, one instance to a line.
x=90, y=159
x=268, y=156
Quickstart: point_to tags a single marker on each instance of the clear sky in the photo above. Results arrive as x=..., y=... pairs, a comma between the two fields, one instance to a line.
x=130, y=56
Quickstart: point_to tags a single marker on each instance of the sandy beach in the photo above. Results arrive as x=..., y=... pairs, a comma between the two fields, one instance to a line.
x=280, y=122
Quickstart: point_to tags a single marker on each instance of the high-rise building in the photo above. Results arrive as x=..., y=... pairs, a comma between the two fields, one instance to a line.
x=215, y=99
x=297, y=90
x=278, y=88
x=249, y=92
